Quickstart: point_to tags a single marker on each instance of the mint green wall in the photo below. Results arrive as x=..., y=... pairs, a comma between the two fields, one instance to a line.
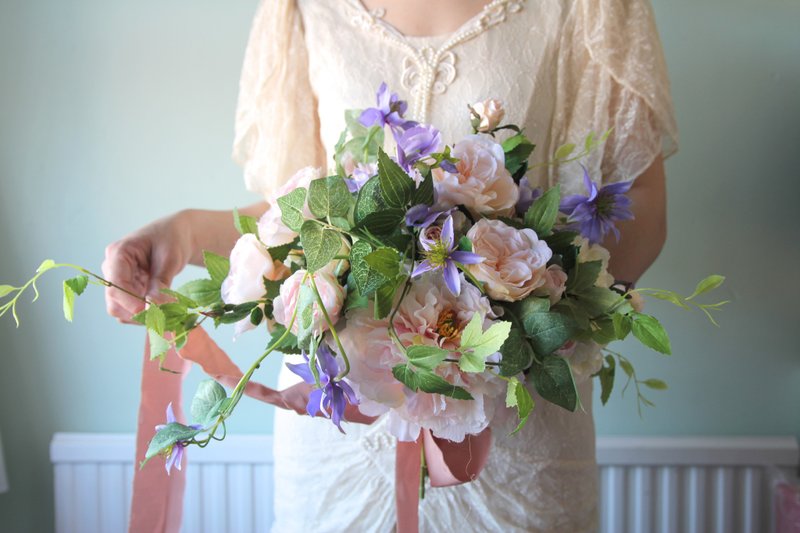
x=104, y=103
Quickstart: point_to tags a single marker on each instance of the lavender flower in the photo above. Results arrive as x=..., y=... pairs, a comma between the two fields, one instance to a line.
x=389, y=111
x=415, y=143
x=527, y=195
x=440, y=253
x=333, y=395
x=174, y=453
x=361, y=174
x=594, y=215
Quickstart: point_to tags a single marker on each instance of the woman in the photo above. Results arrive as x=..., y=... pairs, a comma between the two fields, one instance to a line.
x=563, y=68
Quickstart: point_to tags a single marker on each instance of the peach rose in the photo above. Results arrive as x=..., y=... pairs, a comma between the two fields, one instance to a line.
x=515, y=261
x=555, y=283
x=331, y=292
x=490, y=112
x=482, y=183
x=250, y=264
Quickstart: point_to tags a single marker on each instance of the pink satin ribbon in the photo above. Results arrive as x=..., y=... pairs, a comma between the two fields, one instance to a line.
x=158, y=498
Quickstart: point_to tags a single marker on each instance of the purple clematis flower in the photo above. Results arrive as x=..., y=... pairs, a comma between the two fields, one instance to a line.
x=333, y=395
x=422, y=215
x=415, y=143
x=527, y=195
x=361, y=174
x=440, y=253
x=594, y=215
x=388, y=112
x=174, y=453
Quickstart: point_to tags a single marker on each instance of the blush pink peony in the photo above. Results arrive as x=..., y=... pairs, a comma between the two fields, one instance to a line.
x=250, y=264
x=429, y=315
x=515, y=261
x=482, y=183
x=330, y=290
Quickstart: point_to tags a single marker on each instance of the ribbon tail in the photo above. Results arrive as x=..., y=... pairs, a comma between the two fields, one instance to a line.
x=157, y=505
x=408, y=461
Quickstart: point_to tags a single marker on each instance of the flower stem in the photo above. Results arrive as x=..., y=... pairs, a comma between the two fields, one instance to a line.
x=332, y=329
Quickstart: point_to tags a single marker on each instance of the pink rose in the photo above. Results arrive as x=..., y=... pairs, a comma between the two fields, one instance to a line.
x=482, y=183
x=555, y=283
x=331, y=292
x=490, y=112
x=515, y=261
x=250, y=264
x=301, y=178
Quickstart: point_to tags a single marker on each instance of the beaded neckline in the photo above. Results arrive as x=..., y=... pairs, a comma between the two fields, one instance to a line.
x=429, y=69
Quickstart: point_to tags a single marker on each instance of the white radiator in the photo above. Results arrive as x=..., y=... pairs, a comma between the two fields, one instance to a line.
x=648, y=485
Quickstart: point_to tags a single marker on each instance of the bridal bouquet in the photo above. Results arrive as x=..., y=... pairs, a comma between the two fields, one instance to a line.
x=431, y=283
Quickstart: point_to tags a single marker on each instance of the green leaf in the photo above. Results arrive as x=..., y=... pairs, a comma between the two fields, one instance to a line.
x=369, y=200
x=465, y=244
x=655, y=384
x=169, y=435
x=244, y=224
x=217, y=266
x=517, y=354
x=384, y=298
x=158, y=344
x=626, y=367
x=238, y=313
x=406, y=375
x=604, y=332
x=383, y=222
x=329, y=197
x=341, y=223
x=292, y=206
x=596, y=301
x=672, y=297
x=384, y=260
x=281, y=252
x=708, y=284
x=548, y=331
x=396, y=186
x=589, y=142
x=424, y=193
x=256, y=316
x=564, y=151
x=181, y=298
x=320, y=244
x=606, y=375
x=288, y=344
x=517, y=395
x=155, y=319
x=426, y=357
x=622, y=325
x=584, y=276
x=208, y=396
x=203, y=291
x=435, y=384
x=560, y=240
x=175, y=315
x=6, y=289
x=651, y=333
x=69, y=302
x=531, y=304
x=517, y=149
x=541, y=215
x=78, y=284
x=554, y=382
x=46, y=265
x=483, y=343
x=367, y=279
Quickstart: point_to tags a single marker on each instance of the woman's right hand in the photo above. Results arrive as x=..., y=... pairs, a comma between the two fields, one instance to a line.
x=146, y=261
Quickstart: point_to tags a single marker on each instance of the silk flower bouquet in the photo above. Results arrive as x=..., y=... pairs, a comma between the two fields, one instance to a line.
x=436, y=287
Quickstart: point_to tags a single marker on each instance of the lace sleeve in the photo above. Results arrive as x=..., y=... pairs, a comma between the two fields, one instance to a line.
x=612, y=74
x=277, y=126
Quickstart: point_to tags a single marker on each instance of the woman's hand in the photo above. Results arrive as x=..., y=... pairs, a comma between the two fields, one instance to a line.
x=146, y=261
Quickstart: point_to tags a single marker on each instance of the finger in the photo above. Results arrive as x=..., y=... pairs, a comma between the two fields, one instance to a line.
x=123, y=270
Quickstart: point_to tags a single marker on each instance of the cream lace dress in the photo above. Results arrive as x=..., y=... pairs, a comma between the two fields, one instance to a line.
x=563, y=68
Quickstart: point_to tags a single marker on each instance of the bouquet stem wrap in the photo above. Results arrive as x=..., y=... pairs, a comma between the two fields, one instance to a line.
x=158, y=499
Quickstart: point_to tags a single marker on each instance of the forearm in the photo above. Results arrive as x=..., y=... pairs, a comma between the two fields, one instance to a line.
x=214, y=230
x=642, y=238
